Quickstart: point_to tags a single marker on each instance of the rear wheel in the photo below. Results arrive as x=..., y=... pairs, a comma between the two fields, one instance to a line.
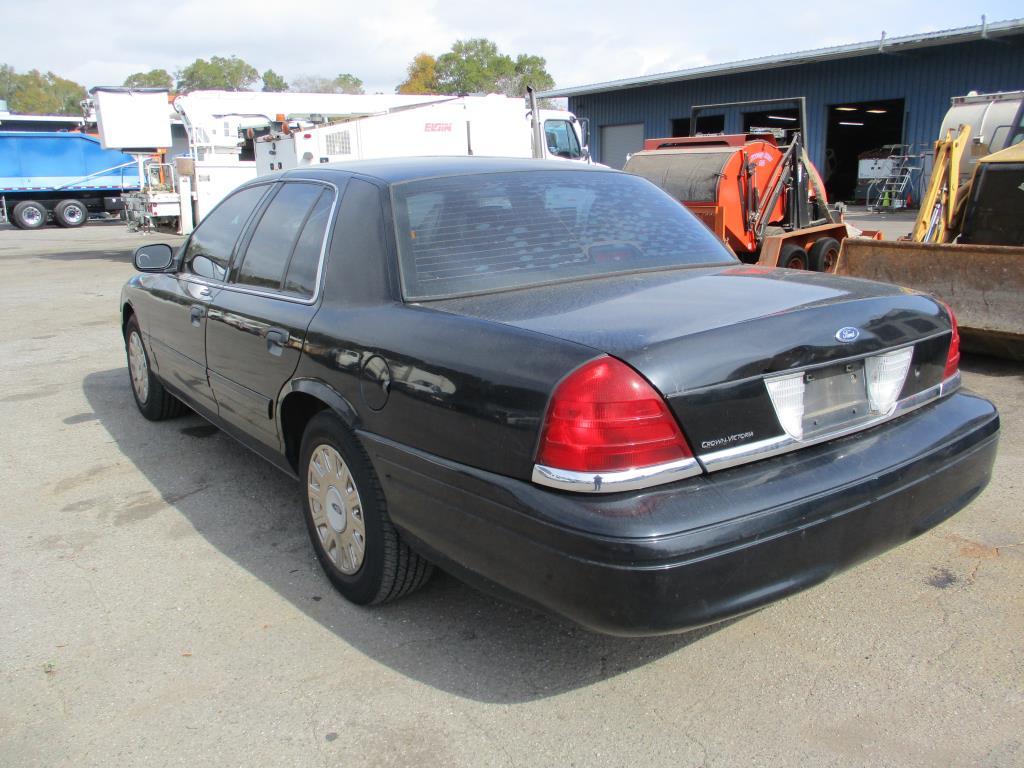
x=792, y=256
x=823, y=255
x=28, y=214
x=70, y=213
x=346, y=515
x=154, y=402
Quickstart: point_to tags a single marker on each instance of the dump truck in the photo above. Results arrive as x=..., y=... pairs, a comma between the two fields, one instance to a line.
x=766, y=202
x=60, y=176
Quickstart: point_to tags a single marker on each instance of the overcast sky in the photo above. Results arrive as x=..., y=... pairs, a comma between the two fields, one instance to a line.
x=100, y=43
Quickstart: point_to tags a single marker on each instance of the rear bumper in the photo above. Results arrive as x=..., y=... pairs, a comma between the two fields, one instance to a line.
x=703, y=549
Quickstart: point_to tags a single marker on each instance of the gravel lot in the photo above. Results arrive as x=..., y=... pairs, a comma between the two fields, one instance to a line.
x=163, y=606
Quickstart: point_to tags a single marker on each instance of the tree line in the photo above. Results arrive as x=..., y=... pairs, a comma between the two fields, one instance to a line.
x=470, y=66
x=39, y=93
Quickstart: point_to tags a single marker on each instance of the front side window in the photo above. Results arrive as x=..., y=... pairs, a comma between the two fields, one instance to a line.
x=485, y=232
x=209, y=249
x=561, y=139
x=270, y=248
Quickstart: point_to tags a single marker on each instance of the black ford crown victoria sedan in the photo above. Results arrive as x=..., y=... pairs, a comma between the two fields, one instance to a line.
x=553, y=380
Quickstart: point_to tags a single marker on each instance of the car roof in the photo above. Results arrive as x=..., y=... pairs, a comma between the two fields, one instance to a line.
x=395, y=170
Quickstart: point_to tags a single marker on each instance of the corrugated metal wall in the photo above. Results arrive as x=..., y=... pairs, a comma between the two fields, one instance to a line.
x=926, y=78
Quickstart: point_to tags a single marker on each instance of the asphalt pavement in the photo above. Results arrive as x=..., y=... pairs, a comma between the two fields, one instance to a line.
x=162, y=605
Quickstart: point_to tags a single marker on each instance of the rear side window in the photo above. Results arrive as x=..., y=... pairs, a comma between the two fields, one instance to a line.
x=270, y=247
x=209, y=249
x=300, y=279
x=487, y=232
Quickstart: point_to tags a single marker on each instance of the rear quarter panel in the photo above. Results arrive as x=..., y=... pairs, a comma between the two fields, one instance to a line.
x=464, y=389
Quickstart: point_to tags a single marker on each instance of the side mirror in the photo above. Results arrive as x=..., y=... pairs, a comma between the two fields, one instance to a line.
x=157, y=257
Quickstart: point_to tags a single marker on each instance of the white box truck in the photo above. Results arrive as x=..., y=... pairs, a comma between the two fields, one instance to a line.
x=467, y=125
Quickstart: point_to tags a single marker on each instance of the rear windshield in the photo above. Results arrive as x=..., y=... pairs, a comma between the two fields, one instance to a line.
x=488, y=232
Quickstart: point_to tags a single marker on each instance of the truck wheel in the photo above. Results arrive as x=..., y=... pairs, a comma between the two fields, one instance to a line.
x=346, y=514
x=823, y=254
x=70, y=213
x=792, y=256
x=28, y=214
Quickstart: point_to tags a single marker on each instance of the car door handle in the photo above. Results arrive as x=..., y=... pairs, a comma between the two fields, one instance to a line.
x=276, y=340
x=196, y=314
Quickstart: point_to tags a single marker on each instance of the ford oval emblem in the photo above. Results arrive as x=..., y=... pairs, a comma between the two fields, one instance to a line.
x=847, y=334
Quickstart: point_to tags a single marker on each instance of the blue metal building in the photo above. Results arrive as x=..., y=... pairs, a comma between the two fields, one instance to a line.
x=857, y=97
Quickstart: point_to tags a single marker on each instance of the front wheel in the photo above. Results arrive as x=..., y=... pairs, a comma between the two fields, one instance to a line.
x=359, y=549
x=154, y=402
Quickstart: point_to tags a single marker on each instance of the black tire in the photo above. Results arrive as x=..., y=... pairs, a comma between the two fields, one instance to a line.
x=821, y=257
x=389, y=568
x=792, y=256
x=70, y=213
x=28, y=214
x=158, y=404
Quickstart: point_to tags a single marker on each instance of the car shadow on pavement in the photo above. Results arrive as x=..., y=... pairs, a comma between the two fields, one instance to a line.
x=447, y=635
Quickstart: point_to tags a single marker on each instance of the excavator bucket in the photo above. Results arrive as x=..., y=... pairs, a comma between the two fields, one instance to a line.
x=982, y=283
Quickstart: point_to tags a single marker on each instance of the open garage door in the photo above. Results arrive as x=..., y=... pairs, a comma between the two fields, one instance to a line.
x=617, y=141
x=855, y=129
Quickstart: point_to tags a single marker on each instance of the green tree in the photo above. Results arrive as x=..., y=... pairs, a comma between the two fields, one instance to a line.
x=219, y=73
x=529, y=70
x=343, y=83
x=38, y=93
x=473, y=66
x=8, y=79
x=476, y=66
x=155, y=78
x=349, y=83
x=273, y=81
x=421, y=76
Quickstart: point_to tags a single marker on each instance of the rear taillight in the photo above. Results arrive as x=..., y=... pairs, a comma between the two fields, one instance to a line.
x=953, y=356
x=604, y=418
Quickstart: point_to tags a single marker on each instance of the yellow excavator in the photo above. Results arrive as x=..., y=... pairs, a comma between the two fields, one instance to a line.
x=967, y=246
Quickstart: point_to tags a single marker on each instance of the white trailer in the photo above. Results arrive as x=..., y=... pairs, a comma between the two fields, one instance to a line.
x=468, y=125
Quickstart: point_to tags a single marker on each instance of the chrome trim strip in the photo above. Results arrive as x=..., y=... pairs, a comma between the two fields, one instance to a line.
x=774, y=446
x=613, y=482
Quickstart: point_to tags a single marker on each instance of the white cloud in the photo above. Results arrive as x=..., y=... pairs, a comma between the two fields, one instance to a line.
x=584, y=42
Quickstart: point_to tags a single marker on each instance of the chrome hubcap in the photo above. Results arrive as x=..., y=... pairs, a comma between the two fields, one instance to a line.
x=73, y=214
x=32, y=216
x=337, y=509
x=138, y=367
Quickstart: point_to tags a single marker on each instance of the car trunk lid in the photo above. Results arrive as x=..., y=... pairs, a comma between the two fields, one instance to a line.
x=710, y=340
